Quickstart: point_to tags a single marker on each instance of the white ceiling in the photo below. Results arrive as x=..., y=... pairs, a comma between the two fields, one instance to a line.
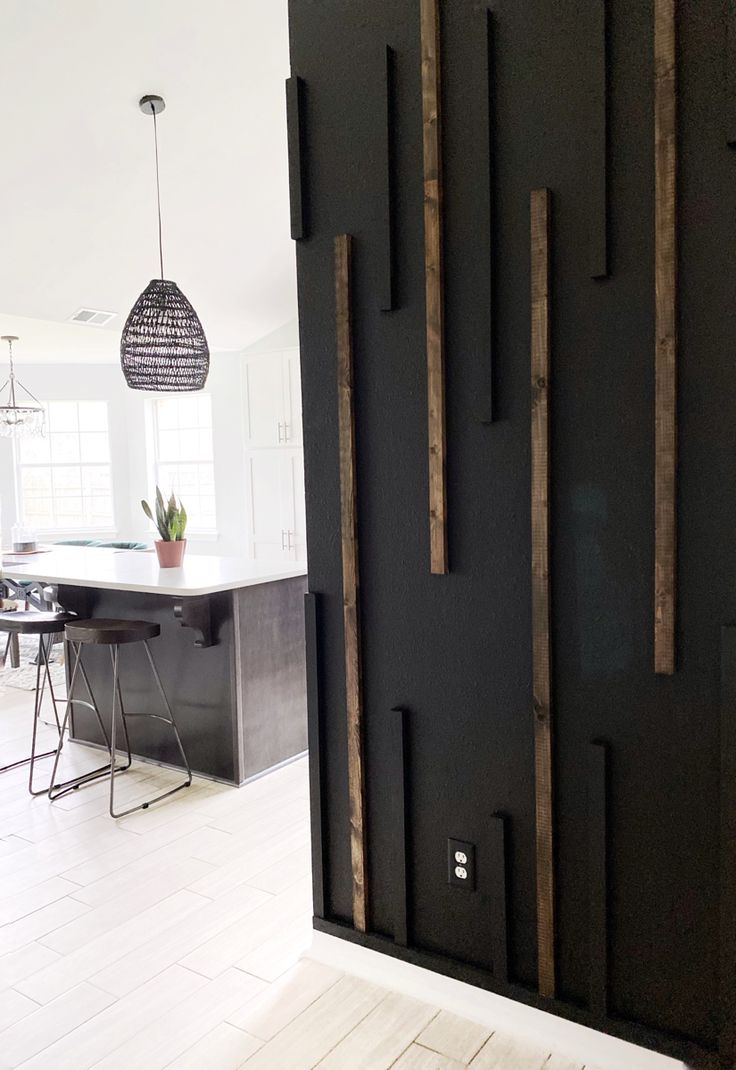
x=77, y=185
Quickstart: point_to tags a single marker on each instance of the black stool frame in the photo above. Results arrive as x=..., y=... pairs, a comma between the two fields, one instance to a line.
x=111, y=768
x=41, y=682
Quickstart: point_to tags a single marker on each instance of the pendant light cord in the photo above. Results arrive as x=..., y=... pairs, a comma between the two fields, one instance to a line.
x=158, y=192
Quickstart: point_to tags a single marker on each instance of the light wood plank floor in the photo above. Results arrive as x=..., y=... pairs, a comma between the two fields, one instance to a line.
x=174, y=937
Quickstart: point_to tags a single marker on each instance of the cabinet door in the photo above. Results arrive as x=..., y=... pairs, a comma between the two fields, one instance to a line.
x=263, y=400
x=268, y=526
x=292, y=393
x=294, y=509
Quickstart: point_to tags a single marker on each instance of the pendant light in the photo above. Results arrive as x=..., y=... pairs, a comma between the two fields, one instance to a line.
x=163, y=346
x=17, y=418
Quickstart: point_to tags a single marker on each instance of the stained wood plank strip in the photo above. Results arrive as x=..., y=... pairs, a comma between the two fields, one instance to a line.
x=599, y=143
x=314, y=735
x=665, y=136
x=540, y=434
x=294, y=110
x=727, y=972
x=598, y=877
x=387, y=192
x=434, y=283
x=499, y=898
x=399, y=721
x=350, y=576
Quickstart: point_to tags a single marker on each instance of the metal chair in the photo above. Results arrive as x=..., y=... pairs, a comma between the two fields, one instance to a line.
x=114, y=634
x=45, y=626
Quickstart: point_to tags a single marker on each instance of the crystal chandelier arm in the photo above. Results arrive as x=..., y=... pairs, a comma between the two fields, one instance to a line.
x=28, y=392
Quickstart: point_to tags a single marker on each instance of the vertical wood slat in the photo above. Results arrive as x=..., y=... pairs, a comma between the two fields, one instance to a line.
x=541, y=207
x=350, y=577
x=294, y=112
x=400, y=825
x=599, y=143
x=314, y=737
x=731, y=72
x=727, y=950
x=499, y=897
x=485, y=401
x=665, y=136
x=598, y=877
x=387, y=193
x=434, y=283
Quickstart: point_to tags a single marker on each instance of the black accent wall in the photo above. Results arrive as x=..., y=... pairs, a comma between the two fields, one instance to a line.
x=454, y=652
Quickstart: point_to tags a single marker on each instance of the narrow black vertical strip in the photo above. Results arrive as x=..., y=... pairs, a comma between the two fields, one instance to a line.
x=730, y=111
x=387, y=173
x=727, y=1038
x=314, y=740
x=598, y=125
x=499, y=897
x=485, y=401
x=598, y=877
x=401, y=911
x=294, y=115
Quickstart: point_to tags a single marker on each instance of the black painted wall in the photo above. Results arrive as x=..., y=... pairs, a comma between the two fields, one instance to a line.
x=456, y=650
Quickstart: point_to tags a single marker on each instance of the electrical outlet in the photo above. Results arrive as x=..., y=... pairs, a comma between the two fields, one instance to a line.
x=461, y=864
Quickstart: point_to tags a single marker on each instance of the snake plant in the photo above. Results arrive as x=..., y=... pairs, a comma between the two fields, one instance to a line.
x=170, y=518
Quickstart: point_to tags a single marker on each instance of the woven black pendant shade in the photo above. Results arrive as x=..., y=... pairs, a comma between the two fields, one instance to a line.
x=163, y=346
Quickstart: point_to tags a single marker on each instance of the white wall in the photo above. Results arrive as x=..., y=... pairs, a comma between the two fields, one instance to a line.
x=130, y=464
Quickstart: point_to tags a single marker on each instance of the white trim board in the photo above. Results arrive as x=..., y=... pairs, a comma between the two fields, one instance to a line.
x=597, y=1051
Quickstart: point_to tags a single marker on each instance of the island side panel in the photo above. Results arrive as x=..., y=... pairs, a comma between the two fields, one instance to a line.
x=271, y=670
x=199, y=683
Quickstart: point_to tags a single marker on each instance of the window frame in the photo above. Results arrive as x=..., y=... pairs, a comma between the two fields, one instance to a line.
x=83, y=527
x=198, y=533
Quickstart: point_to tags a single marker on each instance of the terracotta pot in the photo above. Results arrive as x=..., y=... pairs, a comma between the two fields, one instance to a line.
x=170, y=554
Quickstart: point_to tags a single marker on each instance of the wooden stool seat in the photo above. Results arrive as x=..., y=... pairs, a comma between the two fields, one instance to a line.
x=104, y=632
x=27, y=622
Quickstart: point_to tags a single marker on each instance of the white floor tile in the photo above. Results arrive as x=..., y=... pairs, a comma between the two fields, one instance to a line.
x=44, y=1026
x=224, y=1048
x=454, y=1037
x=184, y=1026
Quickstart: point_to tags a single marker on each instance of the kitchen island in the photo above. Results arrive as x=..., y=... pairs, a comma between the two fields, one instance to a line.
x=230, y=653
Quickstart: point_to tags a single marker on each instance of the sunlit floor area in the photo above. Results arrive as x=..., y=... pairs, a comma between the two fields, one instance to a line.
x=173, y=937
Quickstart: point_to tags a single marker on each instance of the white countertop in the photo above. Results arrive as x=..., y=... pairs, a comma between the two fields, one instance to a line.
x=138, y=570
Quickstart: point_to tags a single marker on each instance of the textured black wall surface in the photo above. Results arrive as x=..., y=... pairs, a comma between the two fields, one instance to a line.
x=456, y=650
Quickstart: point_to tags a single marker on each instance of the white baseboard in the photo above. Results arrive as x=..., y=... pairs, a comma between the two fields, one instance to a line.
x=595, y=1051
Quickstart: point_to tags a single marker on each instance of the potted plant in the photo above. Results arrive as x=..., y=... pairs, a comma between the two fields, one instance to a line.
x=171, y=521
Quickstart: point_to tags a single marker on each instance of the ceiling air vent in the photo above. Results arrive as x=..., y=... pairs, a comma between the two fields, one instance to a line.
x=92, y=317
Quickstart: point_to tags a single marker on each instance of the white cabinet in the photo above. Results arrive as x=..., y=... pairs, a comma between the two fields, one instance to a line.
x=274, y=456
x=292, y=388
x=276, y=504
x=272, y=399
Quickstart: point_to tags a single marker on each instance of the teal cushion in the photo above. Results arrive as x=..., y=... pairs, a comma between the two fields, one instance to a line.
x=102, y=543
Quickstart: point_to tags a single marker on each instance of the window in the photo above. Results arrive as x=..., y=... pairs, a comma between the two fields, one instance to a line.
x=64, y=476
x=182, y=454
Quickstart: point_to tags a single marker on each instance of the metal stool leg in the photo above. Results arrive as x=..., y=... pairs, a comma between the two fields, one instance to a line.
x=115, y=659
x=57, y=790
x=43, y=656
x=167, y=720
x=38, y=699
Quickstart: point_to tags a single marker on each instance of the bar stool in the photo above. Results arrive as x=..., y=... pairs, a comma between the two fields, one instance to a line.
x=43, y=625
x=114, y=634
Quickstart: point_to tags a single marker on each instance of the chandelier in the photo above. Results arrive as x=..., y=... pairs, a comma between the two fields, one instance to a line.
x=17, y=416
x=163, y=346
